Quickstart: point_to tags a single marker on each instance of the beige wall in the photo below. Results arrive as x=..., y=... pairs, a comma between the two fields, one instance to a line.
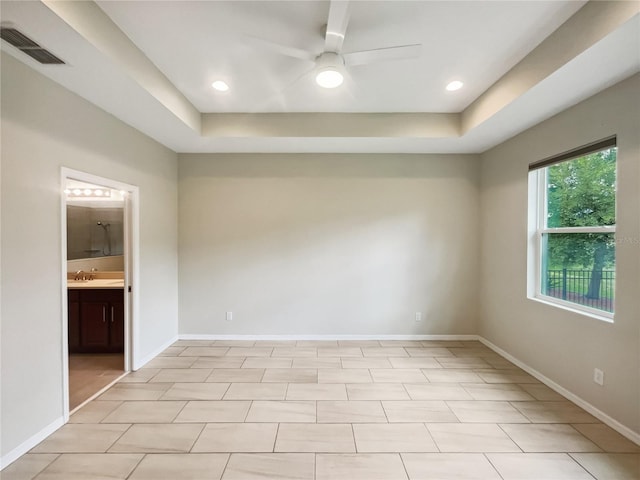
x=328, y=244
x=566, y=346
x=44, y=127
x=114, y=263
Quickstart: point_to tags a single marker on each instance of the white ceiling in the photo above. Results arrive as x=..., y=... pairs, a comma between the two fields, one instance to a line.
x=194, y=43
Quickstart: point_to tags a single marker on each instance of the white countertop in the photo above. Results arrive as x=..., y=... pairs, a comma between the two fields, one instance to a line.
x=96, y=283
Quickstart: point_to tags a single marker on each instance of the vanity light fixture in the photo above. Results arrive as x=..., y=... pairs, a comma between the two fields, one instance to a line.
x=88, y=193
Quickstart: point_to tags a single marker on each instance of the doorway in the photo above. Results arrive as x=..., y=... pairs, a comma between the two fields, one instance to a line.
x=98, y=271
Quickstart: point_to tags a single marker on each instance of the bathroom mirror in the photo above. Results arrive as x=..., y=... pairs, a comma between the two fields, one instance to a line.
x=95, y=218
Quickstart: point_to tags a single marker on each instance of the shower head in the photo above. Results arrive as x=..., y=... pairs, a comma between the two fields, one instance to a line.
x=104, y=225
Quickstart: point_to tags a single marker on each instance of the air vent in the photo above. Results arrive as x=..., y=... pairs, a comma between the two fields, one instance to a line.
x=42, y=56
x=28, y=46
x=17, y=39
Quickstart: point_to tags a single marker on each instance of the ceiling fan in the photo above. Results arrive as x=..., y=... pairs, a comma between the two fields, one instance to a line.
x=330, y=65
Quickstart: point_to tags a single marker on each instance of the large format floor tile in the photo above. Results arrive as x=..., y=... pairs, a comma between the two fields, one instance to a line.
x=344, y=375
x=196, y=391
x=418, y=411
x=607, y=438
x=291, y=375
x=312, y=437
x=610, y=466
x=319, y=410
x=94, y=411
x=549, y=438
x=136, y=391
x=28, y=466
x=398, y=375
x=471, y=438
x=485, y=412
x=256, y=391
x=239, y=375
x=314, y=391
x=81, y=438
x=376, y=391
x=437, y=391
x=282, y=412
x=79, y=466
x=145, y=412
x=537, y=466
x=181, y=466
x=261, y=466
x=397, y=437
x=214, y=411
x=361, y=466
x=554, y=412
x=449, y=466
x=158, y=438
x=237, y=437
x=498, y=391
x=341, y=411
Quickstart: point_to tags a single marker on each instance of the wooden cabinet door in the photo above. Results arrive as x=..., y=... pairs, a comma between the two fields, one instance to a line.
x=74, y=321
x=116, y=329
x=94, y=325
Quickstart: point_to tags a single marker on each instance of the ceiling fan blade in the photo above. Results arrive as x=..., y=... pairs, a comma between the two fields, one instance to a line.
x=283, y=49
x=382, y=54
x=336, y=26
x=279, y=95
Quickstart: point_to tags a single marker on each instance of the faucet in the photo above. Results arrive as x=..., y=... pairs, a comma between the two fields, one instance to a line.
x=92, y=275
x=79, y=275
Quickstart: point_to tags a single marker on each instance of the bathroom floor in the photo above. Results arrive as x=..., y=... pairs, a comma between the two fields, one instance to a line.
x=89, y=373
x=352, y=410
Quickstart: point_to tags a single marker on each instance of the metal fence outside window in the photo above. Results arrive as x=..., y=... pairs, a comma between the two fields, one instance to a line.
x=573, y=285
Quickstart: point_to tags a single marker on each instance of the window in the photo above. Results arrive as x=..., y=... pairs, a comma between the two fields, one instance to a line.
x=572, y=247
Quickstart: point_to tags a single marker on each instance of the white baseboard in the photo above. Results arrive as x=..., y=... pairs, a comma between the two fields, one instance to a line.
x=29, y=443
x=187, y=336
x=599, y=414
x=147, y=358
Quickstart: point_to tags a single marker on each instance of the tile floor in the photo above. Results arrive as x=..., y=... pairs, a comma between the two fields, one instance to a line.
x=89, y=373
x=211, y=410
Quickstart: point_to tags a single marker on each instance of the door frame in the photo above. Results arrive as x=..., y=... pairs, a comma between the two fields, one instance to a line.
x=131, y=271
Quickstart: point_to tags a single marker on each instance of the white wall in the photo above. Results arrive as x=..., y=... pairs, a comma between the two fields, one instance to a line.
x=328, y=244
x=45, y=127
x=566, y=346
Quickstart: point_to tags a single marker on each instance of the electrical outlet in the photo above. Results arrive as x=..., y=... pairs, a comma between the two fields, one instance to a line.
x=229, y=316
x=598, y=376
x=418, y=316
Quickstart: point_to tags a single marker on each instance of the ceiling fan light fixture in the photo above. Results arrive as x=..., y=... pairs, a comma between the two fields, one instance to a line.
x=220, y=86
x=455, y=85
x=330, y=70
x=329, y=77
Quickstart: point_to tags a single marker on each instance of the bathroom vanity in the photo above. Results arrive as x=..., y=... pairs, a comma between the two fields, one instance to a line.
x=96, y=316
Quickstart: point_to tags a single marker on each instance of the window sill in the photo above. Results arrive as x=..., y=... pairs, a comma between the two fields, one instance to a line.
x=553, y=302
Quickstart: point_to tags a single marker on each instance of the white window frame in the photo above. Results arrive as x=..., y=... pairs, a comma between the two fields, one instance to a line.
x=538, y=217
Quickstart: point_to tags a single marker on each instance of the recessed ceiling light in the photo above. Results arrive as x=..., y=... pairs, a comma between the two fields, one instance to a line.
x=455, y=85
x=220, y=86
